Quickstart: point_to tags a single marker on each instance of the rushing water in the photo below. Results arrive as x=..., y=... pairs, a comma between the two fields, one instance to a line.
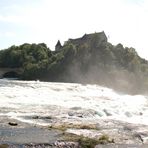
x=27, y=100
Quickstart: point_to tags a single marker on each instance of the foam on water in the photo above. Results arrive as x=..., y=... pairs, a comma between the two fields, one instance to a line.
x=27, y=98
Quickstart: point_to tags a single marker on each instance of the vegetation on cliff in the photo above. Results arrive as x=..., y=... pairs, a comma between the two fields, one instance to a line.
x=90, y=59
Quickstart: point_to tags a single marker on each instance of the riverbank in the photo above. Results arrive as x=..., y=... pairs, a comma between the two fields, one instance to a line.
x=72, y=134
x=25, y=134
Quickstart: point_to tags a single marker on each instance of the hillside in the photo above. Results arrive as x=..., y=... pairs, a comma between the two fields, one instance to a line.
x=89, y=59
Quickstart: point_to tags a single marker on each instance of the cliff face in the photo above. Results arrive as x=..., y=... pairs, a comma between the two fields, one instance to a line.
x=92, y=59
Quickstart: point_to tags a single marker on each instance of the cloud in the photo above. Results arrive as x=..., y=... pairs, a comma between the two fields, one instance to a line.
x=125, y=21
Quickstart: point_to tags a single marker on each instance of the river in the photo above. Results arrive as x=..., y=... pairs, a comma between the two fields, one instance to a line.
x=45, y=103
x=22, y=99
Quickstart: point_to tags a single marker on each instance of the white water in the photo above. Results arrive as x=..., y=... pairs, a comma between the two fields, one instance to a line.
x=23, y=99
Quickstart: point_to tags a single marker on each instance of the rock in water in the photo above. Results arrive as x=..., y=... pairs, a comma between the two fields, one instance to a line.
x=13, y=123
x=107, y=112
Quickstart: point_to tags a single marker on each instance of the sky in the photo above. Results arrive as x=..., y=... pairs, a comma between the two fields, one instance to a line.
x=37, y=21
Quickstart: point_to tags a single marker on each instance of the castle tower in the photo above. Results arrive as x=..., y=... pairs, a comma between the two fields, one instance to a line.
x=58, y=46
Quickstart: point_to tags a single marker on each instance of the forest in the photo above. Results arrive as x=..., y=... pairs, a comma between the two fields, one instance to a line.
x=89, y=59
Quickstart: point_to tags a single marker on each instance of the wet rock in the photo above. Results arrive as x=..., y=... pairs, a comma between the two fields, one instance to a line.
x=48, y=145
x=127, y=128
x=137, y=135
x=48, y=117
x=128, y=114
x=35, y=117
x=66, y=144
x=140, y=113
x=70, y=113
x=107, y=112
x=76, y=108
x=42, y=117
x=82, y=113
x=13, y=123
x=80, y=116
x=143, y=137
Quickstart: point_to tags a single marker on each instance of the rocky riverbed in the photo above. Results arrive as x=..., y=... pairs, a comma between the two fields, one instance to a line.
x=41, y=114
x=73, y=134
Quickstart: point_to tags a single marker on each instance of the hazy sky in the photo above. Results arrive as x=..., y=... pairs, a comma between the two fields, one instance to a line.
x=36, y=21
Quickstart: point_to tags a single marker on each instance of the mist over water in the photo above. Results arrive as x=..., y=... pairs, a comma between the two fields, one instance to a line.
x=25, y=100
